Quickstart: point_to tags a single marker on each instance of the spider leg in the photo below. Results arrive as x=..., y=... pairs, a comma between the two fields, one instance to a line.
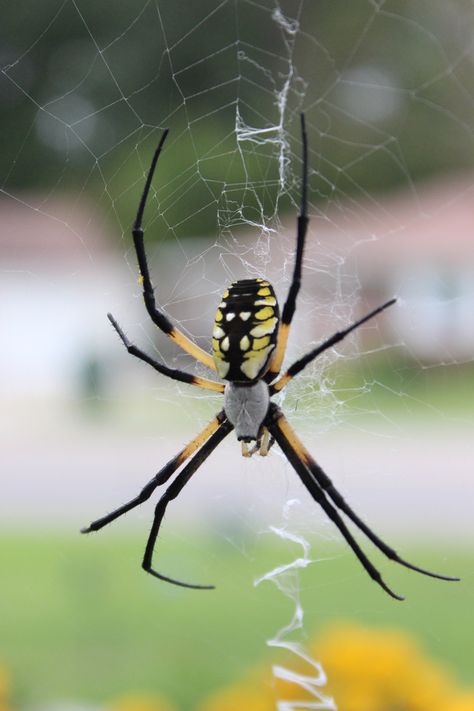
x=327, y=486
x=290, y=304
x=157, y=316
x=267, y=443
x=172, y=373
x=171, y=493
x=163, y=475
x=298, y=365
x=289, y=446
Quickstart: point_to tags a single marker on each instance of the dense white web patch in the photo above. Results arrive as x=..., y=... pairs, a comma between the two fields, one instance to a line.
x=312, y=680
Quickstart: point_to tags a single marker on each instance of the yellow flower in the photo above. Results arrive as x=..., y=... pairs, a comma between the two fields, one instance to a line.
x=240, y=697
x=462, y=702
x=367, y=670
x=379, y=670
x=4, y=687
x=4, y=690
x=140, y=702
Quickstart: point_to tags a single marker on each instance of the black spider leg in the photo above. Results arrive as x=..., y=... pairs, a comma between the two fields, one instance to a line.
x=171, y=493
x=161, y=478
x=318, y=495
x=290, y=303
x=157, y=316
x=172, y=373
x=298, y=365
x=327, y=486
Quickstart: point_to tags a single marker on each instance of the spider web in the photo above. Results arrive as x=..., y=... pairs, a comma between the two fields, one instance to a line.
x=387, y=92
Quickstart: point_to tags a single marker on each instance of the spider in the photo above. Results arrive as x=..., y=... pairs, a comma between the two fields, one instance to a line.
x=248, y=345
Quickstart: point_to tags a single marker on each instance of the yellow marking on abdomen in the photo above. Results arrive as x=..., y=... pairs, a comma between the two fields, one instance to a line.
x=258, y=343
x=222, y=367
x=267, y=301
x=264, y=313
x=254, y=362
x=263, y=329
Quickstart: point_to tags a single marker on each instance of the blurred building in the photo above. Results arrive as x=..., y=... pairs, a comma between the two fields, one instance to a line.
x=418, y=245
x=56, y=269
x=60, y=275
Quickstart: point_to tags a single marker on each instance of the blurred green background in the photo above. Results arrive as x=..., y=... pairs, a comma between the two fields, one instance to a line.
x=387, y=90
x=86, y=89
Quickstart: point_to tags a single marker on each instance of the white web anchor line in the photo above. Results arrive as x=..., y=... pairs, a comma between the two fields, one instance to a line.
x=311, y=683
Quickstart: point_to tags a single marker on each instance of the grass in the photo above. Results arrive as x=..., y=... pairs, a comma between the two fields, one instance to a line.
x=81, y=621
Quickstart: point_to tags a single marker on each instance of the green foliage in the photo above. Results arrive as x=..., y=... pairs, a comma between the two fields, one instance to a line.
x=86, y=88
x=81, y=621
x=198, y=188
x=401, y=388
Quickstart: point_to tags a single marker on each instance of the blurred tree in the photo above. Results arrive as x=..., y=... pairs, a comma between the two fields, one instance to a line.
x=387, y=89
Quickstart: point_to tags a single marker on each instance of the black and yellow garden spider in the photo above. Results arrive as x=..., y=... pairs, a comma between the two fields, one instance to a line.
x=248, y=345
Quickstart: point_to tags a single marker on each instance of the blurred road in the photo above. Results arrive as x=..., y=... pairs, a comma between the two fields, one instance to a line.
x=418, y=482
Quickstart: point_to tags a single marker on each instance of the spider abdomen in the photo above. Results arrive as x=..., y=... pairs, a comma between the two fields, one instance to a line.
x=245, y=330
